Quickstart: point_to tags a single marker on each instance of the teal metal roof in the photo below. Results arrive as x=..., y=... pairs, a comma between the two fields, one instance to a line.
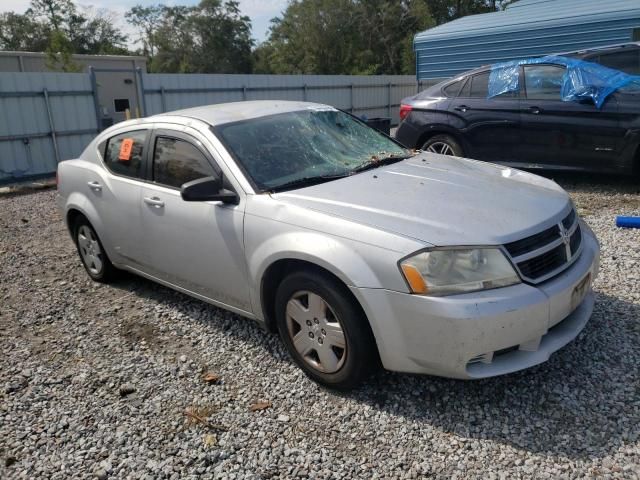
x=526, y=28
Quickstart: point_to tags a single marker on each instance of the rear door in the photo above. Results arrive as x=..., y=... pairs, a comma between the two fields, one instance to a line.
x=559, y=134
x=115, y=193
x=197, y=246
x=490, y=127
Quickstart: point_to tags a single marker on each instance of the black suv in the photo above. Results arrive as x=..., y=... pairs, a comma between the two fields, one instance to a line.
x=529, y=128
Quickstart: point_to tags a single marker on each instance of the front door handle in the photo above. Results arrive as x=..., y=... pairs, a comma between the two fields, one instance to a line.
x=154, y=201
x=461, y=108
x=534, y=110
x=95, y=186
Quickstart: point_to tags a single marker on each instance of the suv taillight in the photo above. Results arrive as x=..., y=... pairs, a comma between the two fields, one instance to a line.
x=404, y=111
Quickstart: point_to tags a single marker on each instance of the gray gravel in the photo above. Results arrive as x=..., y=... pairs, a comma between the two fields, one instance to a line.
x=107, y=381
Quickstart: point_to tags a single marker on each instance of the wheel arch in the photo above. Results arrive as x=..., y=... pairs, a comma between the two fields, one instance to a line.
x=277, y=272
x=77, y=206
x=73, y=214
x=635, y=162
x=442, y=130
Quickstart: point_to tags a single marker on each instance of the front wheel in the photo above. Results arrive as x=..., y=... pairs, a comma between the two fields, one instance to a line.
x=444, y=145
x=324, y=330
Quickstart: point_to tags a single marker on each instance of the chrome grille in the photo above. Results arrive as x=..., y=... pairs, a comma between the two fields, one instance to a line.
x=545, y=254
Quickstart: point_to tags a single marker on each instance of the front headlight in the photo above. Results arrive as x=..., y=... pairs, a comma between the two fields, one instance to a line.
x=450, y=271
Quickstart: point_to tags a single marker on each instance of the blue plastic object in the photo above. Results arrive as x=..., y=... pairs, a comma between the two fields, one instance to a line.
x=582, y=80
x=628, y=222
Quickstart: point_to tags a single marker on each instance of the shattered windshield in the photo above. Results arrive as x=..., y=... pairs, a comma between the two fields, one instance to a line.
x=291, y=147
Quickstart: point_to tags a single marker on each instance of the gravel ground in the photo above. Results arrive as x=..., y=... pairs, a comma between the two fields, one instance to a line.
x=107, y=381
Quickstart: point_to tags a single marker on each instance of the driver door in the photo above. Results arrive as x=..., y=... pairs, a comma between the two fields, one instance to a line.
x=197, y=246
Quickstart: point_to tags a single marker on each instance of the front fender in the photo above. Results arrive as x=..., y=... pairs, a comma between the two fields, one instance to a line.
x=356, y=264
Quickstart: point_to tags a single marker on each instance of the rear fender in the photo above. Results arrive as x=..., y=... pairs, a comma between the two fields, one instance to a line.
x=79, y=202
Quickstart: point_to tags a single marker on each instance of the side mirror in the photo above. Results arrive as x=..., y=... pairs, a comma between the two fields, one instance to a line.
x=208, y=189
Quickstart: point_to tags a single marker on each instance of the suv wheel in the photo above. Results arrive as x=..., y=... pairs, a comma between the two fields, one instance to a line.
x=324, y=330
x=444, y=145
x=92, y=253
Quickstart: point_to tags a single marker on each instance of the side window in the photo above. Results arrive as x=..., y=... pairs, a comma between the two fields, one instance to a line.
x=452, y=89
x=627, y=61
x=480, y=85
x=125, y=154
x=176, y=162
x=543, y=82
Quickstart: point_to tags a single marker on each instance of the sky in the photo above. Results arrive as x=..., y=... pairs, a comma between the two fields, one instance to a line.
x=260, y=11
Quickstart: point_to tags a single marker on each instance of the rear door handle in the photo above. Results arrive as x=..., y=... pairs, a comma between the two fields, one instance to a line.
x=95, y=186
x=534, y=110
x=461, y=108
x=154, y=201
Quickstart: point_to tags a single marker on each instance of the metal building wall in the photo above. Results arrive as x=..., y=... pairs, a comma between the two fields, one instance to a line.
x=373, y=96
x=38, y=111
x=526, y=28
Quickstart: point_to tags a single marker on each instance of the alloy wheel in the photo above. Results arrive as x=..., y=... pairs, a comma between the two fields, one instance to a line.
x=316, y=332
x=440, y=147
x=90, y=250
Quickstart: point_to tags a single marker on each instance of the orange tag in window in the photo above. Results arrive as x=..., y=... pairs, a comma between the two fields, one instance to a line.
x=125, y=150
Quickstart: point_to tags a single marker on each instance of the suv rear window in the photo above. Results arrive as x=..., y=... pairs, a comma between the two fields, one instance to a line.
x=125, y=154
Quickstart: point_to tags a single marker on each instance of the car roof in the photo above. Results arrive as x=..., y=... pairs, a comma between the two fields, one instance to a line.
x=222, y=113
x=604, y=48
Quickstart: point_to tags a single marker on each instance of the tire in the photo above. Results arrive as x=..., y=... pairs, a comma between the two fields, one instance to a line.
x=324, y=330
x=92, y=254
x=444, y=145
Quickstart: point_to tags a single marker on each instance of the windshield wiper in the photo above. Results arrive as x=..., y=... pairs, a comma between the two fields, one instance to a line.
x=379, y=162
x=307, y=181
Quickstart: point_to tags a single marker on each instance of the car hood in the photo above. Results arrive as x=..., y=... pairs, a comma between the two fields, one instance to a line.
x=441, y=200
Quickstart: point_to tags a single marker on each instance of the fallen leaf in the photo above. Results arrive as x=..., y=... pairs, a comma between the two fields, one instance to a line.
x=211, y=377
x=259, y=406
x=210, y=440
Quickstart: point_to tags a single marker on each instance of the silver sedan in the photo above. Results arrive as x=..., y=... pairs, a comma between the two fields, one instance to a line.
x=356, y=250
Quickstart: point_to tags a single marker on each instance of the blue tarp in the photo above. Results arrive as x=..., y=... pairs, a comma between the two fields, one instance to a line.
x=581, y=80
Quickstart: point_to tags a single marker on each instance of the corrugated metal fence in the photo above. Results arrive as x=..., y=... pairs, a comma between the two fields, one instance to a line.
x=44, y=118
x=373, y=96
x=48, y=117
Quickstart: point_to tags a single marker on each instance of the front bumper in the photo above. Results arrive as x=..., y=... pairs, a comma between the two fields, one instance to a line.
x=486, y=333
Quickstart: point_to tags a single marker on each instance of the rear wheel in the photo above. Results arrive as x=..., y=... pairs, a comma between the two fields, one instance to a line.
x=444, y=145
x=324, y=330
x=92, y=253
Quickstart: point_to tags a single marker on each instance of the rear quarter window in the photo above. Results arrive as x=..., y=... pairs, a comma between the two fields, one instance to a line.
x=124, y=154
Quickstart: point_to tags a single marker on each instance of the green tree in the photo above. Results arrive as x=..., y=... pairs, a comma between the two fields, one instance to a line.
x=343, y=37
x=211, y=37
x=147, y=21
x=59, y=29
x=22, y=33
